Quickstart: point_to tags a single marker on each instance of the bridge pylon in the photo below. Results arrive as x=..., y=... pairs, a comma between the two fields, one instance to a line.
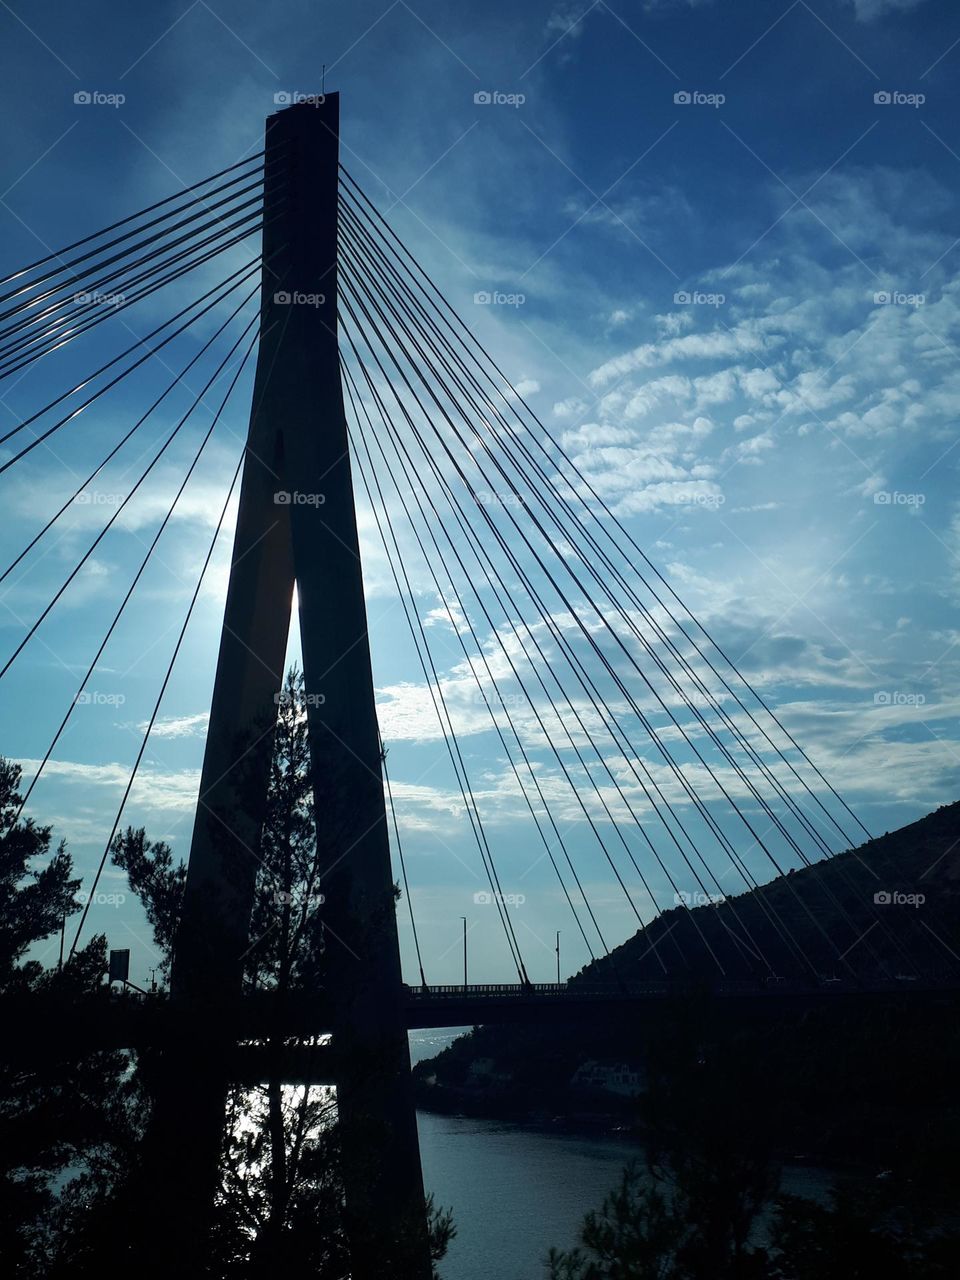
x=296, y=526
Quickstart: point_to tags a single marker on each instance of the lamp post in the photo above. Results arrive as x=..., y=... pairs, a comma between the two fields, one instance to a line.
x=558, y=957
x=464, y=919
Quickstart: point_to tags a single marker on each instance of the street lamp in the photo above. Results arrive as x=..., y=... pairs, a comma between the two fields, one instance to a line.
x=558, y=957
x=464, y=919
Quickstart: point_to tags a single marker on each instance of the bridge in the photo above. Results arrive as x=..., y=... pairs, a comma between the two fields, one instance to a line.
x=621, y=722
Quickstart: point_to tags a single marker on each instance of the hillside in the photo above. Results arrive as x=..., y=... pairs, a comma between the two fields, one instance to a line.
x=828, y=912
x=859, y=1080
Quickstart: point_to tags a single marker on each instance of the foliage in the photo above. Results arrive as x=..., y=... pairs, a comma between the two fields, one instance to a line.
x=709, y=1193
x=280, y=1205
x=64, y=1122
x=157, y=881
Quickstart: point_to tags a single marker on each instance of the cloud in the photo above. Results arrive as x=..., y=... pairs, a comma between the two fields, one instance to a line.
x=154, y=790
x=716, y=344
x=870, y=10
x=194, y=726
x=526, y=387
x=952, y=542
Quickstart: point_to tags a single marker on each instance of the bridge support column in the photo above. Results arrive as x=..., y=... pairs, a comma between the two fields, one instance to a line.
x=297, y=523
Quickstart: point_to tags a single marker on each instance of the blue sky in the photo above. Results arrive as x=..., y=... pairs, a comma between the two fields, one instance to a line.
x=739, y=311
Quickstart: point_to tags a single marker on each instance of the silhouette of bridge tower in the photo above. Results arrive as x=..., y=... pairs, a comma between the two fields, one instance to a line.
x=296, y=527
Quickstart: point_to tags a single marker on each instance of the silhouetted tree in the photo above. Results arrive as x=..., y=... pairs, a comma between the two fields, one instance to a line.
x=281, y=1200
x=897, y=1228
x=711, y=1179
x=65, y=1122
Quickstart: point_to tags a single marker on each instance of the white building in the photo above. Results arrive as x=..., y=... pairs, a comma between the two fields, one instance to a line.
x=605, y=1077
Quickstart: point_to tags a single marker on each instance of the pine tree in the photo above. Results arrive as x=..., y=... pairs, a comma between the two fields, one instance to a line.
x=280, y=1202
x=65, y=1121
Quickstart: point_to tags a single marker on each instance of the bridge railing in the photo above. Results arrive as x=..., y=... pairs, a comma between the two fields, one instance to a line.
x=653, y=988
x=500, y=990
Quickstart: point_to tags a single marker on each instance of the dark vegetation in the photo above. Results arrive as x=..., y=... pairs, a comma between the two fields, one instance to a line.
x=704, y=1203
x=72, y=1131
x=827, y=915
x=865, y=1082
x=727, y=1099
x=870, y=1077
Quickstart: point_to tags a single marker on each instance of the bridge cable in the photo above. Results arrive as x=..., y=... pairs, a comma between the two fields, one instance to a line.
x=411, y=475
x=417, y=367
x=142, y=567
x=453, y=749
x=544, y=612
x=120, y=507
x=431, y=462
x=131, y=250
x=153, y=246
x=735, y=764
x=355, y=398
x=557, y=495
x=512, y=397
x=132, y=217
x=173, y=658
x=243, y=272
x=123, y=439
x=775, y=821
x=55, y=341
x=403, y=865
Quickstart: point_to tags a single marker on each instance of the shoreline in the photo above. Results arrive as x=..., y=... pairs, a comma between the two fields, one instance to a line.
x=587, y=1123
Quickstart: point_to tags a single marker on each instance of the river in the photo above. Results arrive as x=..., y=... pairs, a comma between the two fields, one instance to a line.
x=515, y=1191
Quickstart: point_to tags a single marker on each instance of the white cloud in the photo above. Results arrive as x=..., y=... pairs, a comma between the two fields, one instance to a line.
x=717, y=344
x=194, y=726
x=870, y=10
x=526, y=387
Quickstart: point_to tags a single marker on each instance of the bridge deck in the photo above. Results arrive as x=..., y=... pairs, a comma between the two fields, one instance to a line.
x=37, y=1027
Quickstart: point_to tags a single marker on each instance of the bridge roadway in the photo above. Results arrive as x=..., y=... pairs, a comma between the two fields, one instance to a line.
x=552, y=1002
x=38, y=1027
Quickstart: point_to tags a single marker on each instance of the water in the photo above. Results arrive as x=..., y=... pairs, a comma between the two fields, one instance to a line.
x=516, y=1192
x=513, y=1192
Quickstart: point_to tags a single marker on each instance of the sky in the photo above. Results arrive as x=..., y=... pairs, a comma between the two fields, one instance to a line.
x=724, y=245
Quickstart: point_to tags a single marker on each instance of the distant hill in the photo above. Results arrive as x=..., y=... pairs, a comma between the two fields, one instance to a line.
x=871, y=1082
x=890, y=907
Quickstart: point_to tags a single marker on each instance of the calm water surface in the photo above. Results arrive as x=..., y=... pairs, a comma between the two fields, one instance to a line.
x=515, y=1192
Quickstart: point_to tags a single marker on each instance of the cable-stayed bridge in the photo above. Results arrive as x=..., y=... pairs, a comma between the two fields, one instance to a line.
x=622, y=723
